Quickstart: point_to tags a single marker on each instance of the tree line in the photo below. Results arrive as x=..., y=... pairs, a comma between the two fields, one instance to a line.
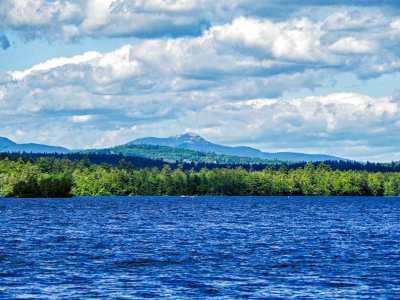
x=55, y=177
x=139, y=162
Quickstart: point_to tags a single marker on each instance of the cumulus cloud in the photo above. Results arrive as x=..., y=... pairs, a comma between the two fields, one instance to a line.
x=72, y=19
x=297, y=39
x=55, y=63
x=314, y=117
x=348, y=45
x=246, y=46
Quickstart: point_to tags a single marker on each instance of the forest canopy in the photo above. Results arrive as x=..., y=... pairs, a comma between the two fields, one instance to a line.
x=61, y=177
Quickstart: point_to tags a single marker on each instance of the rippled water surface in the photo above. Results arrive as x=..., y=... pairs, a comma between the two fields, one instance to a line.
x=202, y=247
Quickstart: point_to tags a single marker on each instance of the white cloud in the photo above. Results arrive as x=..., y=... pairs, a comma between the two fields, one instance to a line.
x=55, y=63
x=97, y=14
x=350, y=45
x=354, y=19
x=294, y=40
x=81, y=118
x=395, y=24
x=70, y=19
x=42, y=19
x=312, y=116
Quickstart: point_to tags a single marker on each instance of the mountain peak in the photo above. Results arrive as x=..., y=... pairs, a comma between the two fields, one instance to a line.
x=189, y=136
x=186, y=140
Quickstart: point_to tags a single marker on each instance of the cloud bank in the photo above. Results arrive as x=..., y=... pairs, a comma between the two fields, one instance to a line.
x=223, y=69
x=71, y=19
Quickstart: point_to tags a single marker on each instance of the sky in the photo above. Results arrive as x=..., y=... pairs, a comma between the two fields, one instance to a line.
x=306, y=76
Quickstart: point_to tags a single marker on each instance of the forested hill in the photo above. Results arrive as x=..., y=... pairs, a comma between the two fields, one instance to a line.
x=172, y=155
x=182, y=148
x=191, y=141
x=6, y=145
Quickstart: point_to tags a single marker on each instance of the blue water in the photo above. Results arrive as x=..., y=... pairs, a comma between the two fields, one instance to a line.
x=198, y=248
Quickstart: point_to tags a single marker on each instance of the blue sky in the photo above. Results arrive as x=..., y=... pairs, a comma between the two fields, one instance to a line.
x=320, y=76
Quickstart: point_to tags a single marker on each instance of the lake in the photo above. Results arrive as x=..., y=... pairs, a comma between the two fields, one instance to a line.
x=200, y=247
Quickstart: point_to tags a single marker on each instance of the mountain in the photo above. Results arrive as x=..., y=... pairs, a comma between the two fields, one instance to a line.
x=172, y=155
x=186, y=147
x=195, y=142
x=7, y=145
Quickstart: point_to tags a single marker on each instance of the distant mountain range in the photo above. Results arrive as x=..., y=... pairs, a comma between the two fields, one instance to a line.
x=197, y=143
x=173, y=155
x=7, y=145
x=185, y=147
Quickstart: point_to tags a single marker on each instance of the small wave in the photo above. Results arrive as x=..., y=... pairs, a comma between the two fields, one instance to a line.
x=147, y=262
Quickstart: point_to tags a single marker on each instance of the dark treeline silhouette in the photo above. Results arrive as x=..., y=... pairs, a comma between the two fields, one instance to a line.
x=61, y=175
x=137, y=162
x=348, y=165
